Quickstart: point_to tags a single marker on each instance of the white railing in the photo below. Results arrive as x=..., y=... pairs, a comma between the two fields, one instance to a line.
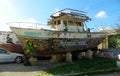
x=28, y=25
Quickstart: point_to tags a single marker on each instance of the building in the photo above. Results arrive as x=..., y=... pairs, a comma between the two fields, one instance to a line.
x=112, y=39
x=8, y=37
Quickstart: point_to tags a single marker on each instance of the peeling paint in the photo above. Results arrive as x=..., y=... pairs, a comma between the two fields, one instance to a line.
x=36, y=34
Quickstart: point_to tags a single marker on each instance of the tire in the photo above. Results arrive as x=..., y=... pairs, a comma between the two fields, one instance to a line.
x=18, y=59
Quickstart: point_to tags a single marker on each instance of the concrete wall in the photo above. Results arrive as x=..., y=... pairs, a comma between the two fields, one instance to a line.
x=4, y=36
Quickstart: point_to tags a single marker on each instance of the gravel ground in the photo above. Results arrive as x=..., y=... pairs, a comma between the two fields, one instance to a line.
x=13, y=69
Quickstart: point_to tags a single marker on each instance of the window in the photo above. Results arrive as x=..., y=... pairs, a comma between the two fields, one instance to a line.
x=65, y=23
x=79, y=23
x=70, y=22
x=58, y=22
x=54, y=22
x=2, y=51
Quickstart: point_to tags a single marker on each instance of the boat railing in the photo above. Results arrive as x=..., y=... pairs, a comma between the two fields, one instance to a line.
x=28, y=25
x=72, y=11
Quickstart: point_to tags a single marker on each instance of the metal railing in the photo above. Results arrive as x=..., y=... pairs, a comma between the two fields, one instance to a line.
x=28, y=25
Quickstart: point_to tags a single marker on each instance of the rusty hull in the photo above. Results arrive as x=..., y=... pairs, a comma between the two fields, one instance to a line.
x=55, y=46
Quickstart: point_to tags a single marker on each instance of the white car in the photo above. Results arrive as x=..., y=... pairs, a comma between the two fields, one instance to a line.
x=118, y=61
x=6, y=56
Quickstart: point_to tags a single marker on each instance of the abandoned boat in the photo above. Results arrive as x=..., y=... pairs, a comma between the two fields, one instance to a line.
x=68, y=34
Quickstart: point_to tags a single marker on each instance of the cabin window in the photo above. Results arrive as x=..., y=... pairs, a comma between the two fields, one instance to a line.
x=79, y=23
x=65, y=23
x=58, y=22
x=70, y=22
x=54, y=22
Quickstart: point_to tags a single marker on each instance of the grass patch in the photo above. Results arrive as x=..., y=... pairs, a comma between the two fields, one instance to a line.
x=82, y=66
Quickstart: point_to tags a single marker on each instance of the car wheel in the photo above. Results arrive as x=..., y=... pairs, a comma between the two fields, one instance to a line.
x=19, y=59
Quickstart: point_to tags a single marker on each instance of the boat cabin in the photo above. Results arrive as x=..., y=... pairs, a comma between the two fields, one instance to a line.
x=68, y=21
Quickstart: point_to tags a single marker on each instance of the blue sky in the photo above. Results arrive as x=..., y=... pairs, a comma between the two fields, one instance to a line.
x=104, y=13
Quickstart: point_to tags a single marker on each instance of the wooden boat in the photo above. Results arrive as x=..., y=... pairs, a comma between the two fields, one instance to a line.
x=68, y=34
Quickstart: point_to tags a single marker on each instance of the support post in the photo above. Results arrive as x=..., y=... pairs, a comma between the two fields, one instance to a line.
x=80, y=55
x=68, y=57
x=89, y=54
x=95, y=53
x=55, y=58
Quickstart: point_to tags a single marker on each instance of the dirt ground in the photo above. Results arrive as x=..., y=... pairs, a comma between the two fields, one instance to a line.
x=13, y=69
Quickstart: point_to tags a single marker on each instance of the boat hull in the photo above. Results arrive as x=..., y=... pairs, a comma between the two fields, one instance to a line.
x=52, y=46
x=52, y=42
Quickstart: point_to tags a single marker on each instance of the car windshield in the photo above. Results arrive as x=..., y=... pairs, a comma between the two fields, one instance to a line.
x=2, y=51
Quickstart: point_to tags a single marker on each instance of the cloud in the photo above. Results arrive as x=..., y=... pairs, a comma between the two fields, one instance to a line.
x=101, y=14
x=100, y=28
x=86, y=9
